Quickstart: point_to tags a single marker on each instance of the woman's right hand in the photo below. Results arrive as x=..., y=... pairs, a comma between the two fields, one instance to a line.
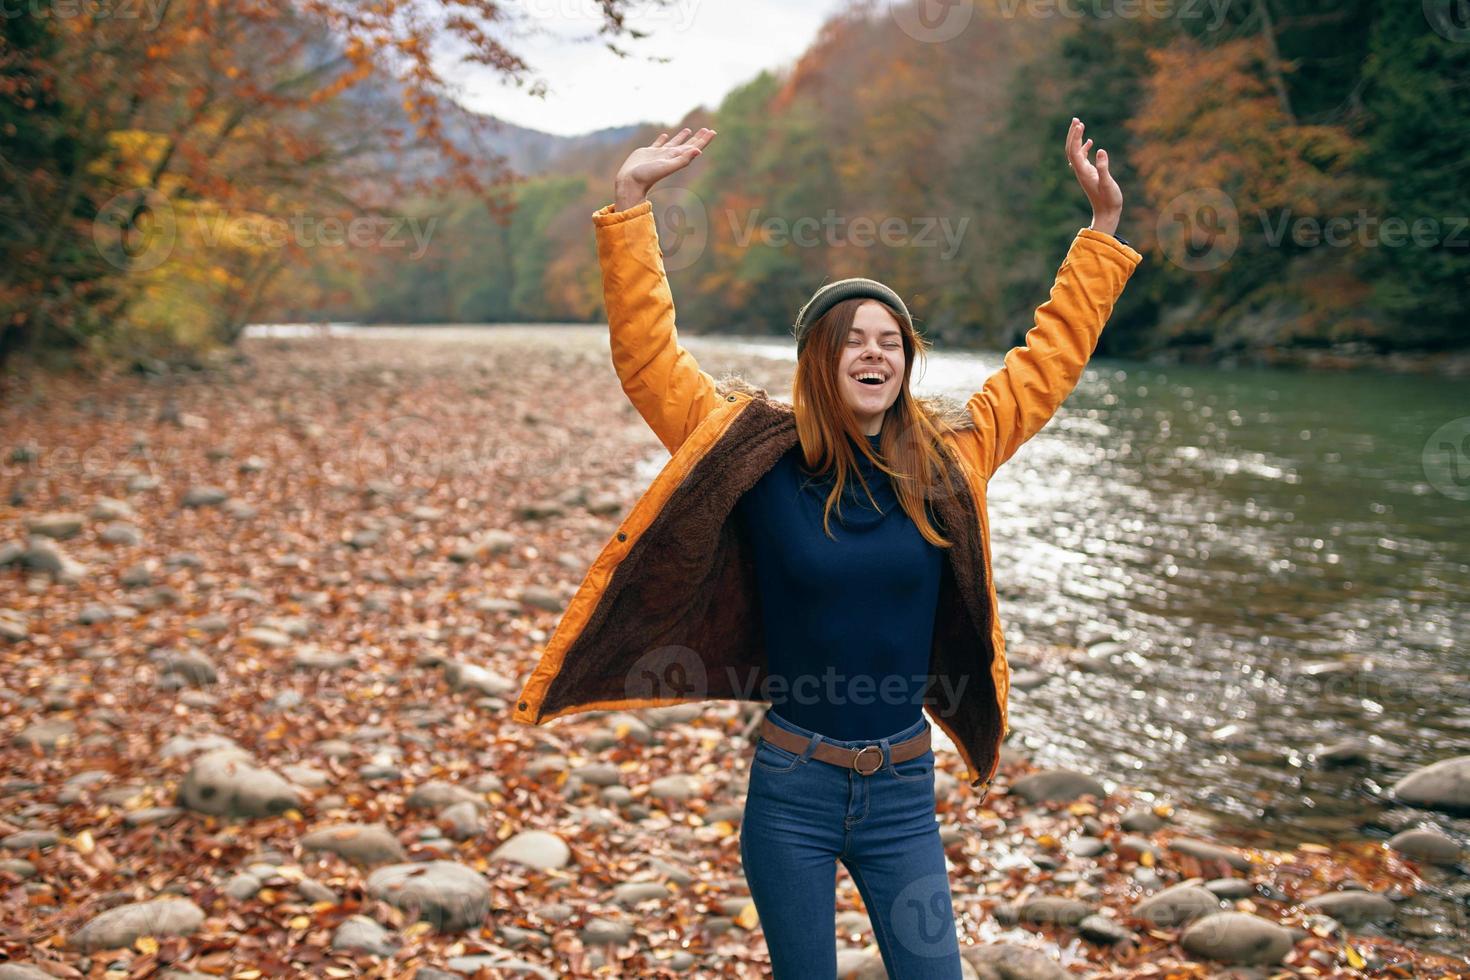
x=650, y=164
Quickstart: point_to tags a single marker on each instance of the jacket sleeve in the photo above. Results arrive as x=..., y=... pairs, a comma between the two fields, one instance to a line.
x=660, y=377
x=1021, y=397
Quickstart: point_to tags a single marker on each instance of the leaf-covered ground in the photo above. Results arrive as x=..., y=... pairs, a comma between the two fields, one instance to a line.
x=262, y=624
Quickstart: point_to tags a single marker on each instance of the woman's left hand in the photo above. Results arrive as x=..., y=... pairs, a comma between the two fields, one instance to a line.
x=1101, y=189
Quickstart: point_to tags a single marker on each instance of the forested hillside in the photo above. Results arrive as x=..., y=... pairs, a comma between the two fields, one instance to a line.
x=1294, y=171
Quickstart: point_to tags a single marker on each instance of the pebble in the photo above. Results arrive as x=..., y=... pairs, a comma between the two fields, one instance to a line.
x=1056, y=785
x=1237, y=937
x=448, y=895
x=537, y=849
x=27, y=840
x=120, y=927
x=436, y=795
x=362, y=844
x=225, y=782
x=360, y=934
x=47, y=735
x=1177, y=905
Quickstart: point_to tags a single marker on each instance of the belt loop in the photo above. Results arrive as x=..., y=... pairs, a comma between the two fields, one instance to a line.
x=811, y=746
x=887, y=753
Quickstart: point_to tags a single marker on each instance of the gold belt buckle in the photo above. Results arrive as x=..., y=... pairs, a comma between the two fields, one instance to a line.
x=868, y=772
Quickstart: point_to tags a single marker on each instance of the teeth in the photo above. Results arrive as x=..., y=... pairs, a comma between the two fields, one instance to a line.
x=870, y=374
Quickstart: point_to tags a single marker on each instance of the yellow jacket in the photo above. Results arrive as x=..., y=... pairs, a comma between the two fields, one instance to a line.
x=668, y=611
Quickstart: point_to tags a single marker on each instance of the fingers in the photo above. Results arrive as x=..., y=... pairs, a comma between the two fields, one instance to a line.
x=700, y=140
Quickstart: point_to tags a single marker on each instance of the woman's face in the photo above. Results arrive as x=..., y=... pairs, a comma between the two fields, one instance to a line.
x=874, y=344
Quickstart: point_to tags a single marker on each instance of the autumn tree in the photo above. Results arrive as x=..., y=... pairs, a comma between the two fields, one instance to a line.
x=189, y=152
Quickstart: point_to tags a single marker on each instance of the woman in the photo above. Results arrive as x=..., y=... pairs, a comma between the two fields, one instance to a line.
x=829, y=557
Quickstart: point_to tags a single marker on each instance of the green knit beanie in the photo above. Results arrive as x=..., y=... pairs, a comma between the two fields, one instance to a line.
x=835, y=292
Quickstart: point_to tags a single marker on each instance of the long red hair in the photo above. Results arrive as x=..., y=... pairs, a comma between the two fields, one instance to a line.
x=910, y=440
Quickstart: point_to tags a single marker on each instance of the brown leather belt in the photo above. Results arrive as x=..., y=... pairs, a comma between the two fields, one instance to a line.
x=871, y=755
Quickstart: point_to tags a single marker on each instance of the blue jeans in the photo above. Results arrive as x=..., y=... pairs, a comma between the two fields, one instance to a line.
x=803, y=815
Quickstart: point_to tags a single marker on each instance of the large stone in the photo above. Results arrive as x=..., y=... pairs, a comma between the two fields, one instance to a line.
x=447, y=895
x=23, y=971
x=435, y=795
x=58, y=525
x=225, y=782
x=1426, y=845
x=360, y=934
x=537, y=849
x=1056, y=909
x=30, y=840
x=1057, y=785
x=203, y=496
x=191, y=665
x=47, y=734
x=1237, y=937
x=500, y=965
x=1445, y=786
x=1012, y=962
x=1352, y=907
x=1176, y=905
x=679, y=786
x=463, y=820
x=44, y=555
x=462, y=675
x=1210, y=853
x=363, y=844
x=122, y=926
x=267, y=637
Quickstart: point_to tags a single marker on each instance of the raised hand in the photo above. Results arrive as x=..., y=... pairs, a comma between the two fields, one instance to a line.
x=650, y=164
x=1097, y=183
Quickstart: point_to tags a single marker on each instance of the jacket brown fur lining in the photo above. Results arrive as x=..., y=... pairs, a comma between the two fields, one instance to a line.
x=679, y=620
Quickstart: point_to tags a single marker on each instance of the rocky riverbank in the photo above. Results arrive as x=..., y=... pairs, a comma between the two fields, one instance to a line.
x=1336, y=357
x=262, y=624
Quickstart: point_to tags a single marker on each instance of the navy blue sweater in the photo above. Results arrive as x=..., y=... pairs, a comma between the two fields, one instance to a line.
x=848, y=623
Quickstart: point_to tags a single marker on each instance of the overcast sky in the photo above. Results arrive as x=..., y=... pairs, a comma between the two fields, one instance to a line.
x=713, y=46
